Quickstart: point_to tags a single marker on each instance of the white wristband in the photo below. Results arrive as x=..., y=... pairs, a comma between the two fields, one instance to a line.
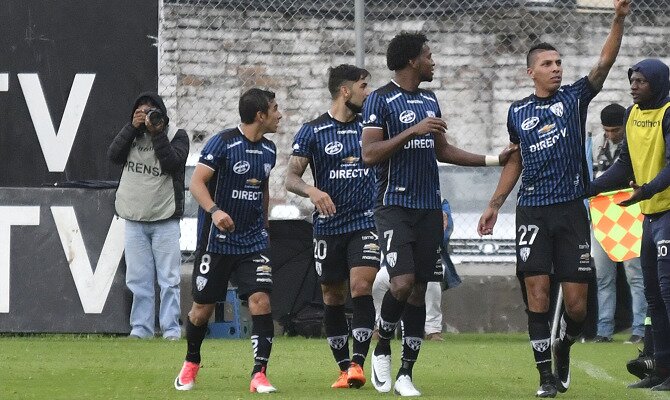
x=491, y=161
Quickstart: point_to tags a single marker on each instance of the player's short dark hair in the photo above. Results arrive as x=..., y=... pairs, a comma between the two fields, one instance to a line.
x=404, y=47
x=538, y=48
x=253, y=101
x=344, y=73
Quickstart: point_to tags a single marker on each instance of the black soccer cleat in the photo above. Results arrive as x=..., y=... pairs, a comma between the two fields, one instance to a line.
x=547, y=386
x=561, y=352
x=641, y=366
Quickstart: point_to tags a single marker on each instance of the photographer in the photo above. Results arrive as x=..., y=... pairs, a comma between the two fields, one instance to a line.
x=150, y=198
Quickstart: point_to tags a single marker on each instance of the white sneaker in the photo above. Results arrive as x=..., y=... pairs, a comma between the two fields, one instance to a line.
x=381, y=373
x=404, y=387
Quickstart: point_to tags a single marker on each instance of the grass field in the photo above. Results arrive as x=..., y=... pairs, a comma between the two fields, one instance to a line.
x=465, y=366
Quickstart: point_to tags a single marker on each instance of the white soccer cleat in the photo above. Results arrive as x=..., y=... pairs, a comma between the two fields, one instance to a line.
x=381, y=372
x=404, y=387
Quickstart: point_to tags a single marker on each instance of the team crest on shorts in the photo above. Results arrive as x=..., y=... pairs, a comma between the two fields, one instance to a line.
x=524, y=252
x=391, y=258
x=318, y=267
x=200, y=283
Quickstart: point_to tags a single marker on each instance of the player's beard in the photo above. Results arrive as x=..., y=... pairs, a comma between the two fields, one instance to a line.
x=353, y=107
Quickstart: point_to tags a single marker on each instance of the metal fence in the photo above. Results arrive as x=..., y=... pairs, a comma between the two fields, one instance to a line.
x=210, y=51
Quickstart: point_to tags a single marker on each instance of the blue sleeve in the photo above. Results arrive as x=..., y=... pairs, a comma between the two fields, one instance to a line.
x=375, y=111
x=213, y=153
x=274, y=158
x=586, y=91
x=511, y=129
x=303, y=142
x=437, y=104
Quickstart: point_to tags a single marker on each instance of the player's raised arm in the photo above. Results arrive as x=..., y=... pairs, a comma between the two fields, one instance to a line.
x=508, y=178
x=612, y=44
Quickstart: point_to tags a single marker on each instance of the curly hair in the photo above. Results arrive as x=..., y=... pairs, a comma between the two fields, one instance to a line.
x=404, y=47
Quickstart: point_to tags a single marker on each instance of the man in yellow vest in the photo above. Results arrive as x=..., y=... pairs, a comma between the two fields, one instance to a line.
x=645, y=157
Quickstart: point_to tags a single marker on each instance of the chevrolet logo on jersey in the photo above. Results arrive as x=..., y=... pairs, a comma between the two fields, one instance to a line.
x=546, y=128
x=350, y=160
x=253, y=182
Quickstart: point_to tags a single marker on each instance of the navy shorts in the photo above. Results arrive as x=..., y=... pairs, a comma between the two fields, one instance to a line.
x=335, y=255
x=251, y=273
x=554, y=240
x=410, y=241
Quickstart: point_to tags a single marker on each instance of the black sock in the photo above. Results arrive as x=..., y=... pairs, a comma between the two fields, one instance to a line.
x=413, y=320
x=194, y=337
x=361, y=327
x=570, y=329
x=262, y=333
x=390, y=313
x=540, y=341
x=337, y=332
x=648, y=349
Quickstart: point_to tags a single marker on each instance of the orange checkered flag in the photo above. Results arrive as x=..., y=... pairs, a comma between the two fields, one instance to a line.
x=618, y=229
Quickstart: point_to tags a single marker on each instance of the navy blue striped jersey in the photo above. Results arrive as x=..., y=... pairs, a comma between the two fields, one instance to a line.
x=334, y=152
x=409, y=178
x=551, y=134
x=241, y=172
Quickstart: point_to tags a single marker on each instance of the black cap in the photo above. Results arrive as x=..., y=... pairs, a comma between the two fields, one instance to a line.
x=612, y=115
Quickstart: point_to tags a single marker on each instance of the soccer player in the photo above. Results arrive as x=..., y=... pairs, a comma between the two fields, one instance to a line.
x=552, y=225
x=230, y=183
x=645, y=155
x=345, y=241
x=403, y=137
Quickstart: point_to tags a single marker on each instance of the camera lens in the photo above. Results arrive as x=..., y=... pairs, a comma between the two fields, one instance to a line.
x=155, y=117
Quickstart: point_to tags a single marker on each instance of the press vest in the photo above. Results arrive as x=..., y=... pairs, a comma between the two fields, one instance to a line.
x=145, y=193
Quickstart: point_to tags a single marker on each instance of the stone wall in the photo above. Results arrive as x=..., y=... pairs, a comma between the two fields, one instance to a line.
x=209, y=56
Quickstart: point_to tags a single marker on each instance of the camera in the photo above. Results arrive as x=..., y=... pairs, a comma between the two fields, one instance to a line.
x=603, y=161
x=155, y=116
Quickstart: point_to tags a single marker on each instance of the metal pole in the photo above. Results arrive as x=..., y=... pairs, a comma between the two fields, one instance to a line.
x=359, y=31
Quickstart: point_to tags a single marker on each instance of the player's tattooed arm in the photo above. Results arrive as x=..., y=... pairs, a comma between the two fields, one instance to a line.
x=295, y=184
x=612, y=44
